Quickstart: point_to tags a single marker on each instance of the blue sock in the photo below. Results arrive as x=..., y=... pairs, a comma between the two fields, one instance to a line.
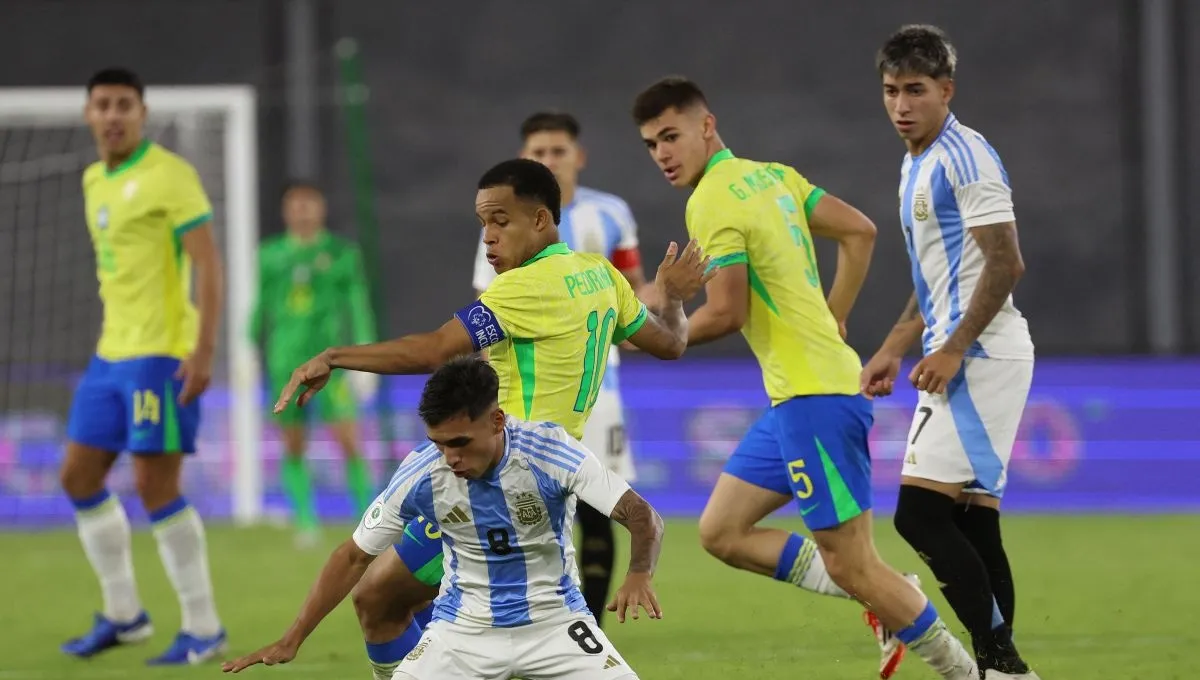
x=924, y=622
x=800, y=564
x=392, y=652
x=423, y=617
x=787, y=558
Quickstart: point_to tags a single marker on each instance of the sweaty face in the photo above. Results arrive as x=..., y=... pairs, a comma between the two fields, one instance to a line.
x=678, y=143
x=303, y=211
x=115, y=113
x=471, y=447
x=558, y=151
x=917, y=105
x=512, y=227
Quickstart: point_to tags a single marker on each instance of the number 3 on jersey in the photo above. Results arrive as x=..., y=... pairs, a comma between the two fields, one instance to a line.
x=790, y=210
x=595, y=358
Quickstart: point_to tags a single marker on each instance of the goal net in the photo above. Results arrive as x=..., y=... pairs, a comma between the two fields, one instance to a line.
x=50, y=312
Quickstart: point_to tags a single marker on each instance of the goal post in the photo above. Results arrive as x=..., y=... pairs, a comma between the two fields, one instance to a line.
x=231, y=173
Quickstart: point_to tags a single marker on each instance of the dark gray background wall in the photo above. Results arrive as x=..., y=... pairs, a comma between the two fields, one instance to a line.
x=1053, y=85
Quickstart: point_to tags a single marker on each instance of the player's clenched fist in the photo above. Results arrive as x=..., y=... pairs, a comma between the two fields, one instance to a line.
x=313, y=375
x=635, y=592
x=276, y=653
x=680, y=278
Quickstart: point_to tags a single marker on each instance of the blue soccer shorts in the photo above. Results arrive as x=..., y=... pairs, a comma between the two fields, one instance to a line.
x=813, y=448
x=132, y=405
x=421, y=550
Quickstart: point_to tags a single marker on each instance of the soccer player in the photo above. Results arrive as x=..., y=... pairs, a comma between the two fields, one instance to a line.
x=957, y=214
x=756, y=220
x=510, y=607
x=312, y=295
x=592, y=222
x=150, y=223
x=547, y=321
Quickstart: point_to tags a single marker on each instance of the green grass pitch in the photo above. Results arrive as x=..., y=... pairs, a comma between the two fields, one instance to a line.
x=1099, y=598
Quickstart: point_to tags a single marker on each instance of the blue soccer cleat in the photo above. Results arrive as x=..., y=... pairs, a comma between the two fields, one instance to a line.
x=106, y=634
x=189, y=650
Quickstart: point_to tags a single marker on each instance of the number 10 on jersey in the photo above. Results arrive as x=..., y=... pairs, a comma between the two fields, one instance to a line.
x=595, y=358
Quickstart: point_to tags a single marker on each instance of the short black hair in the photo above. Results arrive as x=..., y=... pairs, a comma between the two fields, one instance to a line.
x=550, y=121
x=529, y=180
x=117, y=76
x=917, y=49
x=297, y=184
x=672, y=92
x=464, y=385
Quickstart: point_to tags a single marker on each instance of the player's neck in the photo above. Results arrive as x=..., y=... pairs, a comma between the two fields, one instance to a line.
x=712, y=148
x=920, y=146
x=309, y=238
x=568, y=195
x=114, y=159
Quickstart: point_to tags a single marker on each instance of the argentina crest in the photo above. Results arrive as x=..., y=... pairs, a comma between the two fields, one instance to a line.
x=920, y=207
x=529, y=508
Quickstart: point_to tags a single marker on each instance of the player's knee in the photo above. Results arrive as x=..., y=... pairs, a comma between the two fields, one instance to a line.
x=718, y=539
x=156, y=478
x=380, y=612
x=83, y=472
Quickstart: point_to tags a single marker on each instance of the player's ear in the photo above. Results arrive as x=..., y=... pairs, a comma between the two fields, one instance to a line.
x=947, y=90
x=498, y=419
x=581, y=157
x=710, y=125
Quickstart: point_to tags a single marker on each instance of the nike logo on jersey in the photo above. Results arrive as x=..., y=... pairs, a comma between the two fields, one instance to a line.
x=455, y=516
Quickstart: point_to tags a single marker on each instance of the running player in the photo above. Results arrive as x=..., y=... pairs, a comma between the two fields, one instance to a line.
x=957, y=214
x=592, y=222
x=150, y=223
x=313, y=295
x=757, y=220
x=548, y=322
x=505, y=488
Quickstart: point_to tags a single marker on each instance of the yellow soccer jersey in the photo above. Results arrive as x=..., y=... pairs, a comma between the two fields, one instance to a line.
x=136, y=214
x=548, y=326
x=756, y=214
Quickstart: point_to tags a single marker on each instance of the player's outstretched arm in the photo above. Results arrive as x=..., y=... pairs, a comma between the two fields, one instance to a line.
x=834, y=219
x=411, y=354
x=196, y=370
x=342, y=571
x=645, y=543
x=665, y=332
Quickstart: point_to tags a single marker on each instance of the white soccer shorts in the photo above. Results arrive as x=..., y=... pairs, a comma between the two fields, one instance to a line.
x=966, y=435
x=604, y=434
x=570, y=649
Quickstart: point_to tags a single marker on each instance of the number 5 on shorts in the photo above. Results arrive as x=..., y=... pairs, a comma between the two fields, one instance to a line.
x=800, y=479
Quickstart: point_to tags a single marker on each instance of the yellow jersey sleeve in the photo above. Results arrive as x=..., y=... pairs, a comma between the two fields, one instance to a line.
x=718, y=223
x=184, y=200
x=509, y=308
x=631, y=312
x=807, y=195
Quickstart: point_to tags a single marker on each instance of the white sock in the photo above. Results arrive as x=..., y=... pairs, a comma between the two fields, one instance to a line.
x=807, y=569
x=945, y=654
x=184, y=553
x=383, y=671
x=105, y=534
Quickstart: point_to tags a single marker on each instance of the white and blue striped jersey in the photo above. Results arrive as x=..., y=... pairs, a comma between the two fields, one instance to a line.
x=593, y=222
x=955, y=185
x=506, y=538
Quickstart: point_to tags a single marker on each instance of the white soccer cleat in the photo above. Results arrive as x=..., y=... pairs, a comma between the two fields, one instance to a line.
x=891, y=649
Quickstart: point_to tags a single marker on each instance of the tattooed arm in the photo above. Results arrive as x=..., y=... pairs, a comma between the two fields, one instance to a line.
x=1002, y=268
x=645, y=531
x=907, y=330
